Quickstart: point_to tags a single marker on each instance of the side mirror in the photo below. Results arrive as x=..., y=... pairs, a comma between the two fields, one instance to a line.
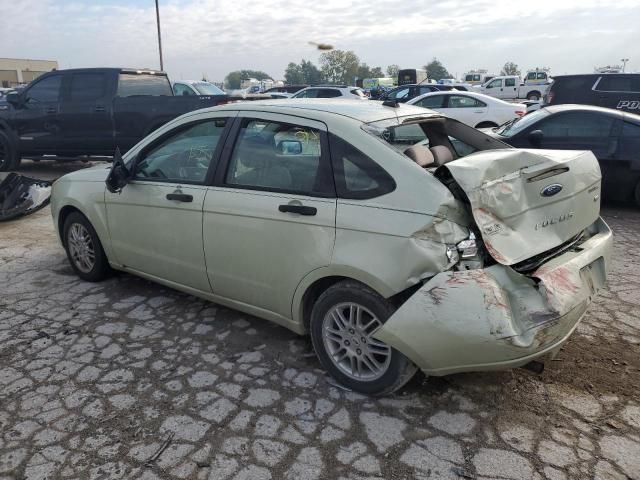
x=14, y=99
x=119, y=175
x=289, y=147
x=535, y=138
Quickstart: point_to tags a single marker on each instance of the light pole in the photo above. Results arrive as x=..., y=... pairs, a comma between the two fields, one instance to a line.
x=159, y=37
x=624, y=63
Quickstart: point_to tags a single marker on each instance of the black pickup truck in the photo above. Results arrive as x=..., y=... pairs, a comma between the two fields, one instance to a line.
x=88, y=112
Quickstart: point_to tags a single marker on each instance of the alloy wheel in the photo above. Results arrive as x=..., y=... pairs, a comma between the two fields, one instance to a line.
x=81, y=248
x=347, y=331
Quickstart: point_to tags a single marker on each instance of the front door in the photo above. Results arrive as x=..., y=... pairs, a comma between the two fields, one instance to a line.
x=269, y=219
x=155, y=223
x=37, y=119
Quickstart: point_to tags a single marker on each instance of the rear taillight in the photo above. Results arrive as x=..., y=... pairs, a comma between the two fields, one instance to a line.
x=520, y=113
x=550, y=96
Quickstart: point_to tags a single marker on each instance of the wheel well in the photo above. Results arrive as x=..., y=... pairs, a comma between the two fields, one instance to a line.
x=62, y=216
x=486, y=124
x=313, y=293
x=534, y=92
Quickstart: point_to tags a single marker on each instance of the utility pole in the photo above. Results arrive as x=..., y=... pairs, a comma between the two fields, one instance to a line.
x=159, y=37
x=624, y=63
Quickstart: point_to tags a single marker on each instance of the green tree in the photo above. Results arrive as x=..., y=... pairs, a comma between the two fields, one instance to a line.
x=234, y=79
x=363, y=71
x=310, y=73
x=339, y=66
x=392, y=70
x=293, y=74
x=376, y=72
x=303, y=73
x=436, y=70
x=510, y=68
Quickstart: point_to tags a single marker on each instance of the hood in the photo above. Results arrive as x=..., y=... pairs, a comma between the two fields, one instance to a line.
x=528, y=202
x=97, y=173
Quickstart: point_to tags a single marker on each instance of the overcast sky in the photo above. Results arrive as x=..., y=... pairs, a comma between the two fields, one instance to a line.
x=213, y=37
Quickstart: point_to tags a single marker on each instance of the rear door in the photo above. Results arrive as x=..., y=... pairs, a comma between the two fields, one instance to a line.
x=38, y=121
x=466, y=109
x=85, y=114
x=621, y=92
x=510, y=89
x=269, y=220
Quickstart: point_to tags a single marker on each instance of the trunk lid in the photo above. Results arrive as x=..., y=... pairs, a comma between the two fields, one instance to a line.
x=527, y=202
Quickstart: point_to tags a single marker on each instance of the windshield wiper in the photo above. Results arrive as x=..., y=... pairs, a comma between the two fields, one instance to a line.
x=506, y=126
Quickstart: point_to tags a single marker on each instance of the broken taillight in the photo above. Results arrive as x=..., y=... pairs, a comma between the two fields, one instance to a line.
x=520, y=113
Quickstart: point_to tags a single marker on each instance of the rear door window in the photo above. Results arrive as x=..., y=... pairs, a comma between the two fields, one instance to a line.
x=577, y=125
x=87, y=86
x=462, y=101
x=630, y=141
x=328, y=93
x=130, y=85
x=509, y=82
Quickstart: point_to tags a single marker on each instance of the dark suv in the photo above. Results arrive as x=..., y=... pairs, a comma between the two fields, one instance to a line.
x=613, y=90
x=404, y=93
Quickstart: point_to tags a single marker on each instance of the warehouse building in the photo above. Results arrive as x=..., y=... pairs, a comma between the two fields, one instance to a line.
x=16, y=71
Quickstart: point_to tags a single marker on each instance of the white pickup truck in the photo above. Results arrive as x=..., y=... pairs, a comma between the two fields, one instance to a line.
x=511, y=87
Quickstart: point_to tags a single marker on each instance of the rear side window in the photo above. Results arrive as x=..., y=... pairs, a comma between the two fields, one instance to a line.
x=357, y=176
x=509, y=82
x=328, y=93
x=130, y=85
x=462, y=101
x=87, y=86
x=630, y=141
x=46, y=90
x=433, y=101
x=612, y=83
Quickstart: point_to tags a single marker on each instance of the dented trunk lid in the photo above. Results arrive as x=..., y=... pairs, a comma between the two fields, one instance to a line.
x=527, y=202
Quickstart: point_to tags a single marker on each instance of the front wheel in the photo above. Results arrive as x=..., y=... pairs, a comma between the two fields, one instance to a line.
x=343, y=322
x=8, y=154
x=84, y=249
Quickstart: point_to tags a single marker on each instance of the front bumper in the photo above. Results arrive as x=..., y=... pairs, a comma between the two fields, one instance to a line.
x=496, y=318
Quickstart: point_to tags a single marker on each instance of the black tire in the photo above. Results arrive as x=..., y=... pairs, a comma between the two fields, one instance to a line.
x=486, y=125
x=100, y=268
x=533, y=96
x=636, y=195
x=399, y=369
x=8, y=153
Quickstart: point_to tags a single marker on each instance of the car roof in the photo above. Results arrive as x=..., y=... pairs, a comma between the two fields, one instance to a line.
x=573, y=75
x=582, y=108
x=363, y=111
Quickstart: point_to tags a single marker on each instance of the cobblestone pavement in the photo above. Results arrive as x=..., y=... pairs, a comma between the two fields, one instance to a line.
x=128, y=379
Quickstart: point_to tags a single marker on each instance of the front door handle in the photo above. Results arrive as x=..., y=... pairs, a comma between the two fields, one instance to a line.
x=51, y=110
x=180, y=197
x=99, y=108
x=301, y=209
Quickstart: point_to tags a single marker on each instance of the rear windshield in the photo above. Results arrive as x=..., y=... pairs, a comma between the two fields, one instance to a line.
x=131, y=84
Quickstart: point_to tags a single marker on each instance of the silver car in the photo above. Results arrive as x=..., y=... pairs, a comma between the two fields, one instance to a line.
x=397, y=238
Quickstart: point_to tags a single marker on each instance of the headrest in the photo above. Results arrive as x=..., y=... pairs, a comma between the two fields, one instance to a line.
x=420, y=154
x=441, y=154
x=254, y=152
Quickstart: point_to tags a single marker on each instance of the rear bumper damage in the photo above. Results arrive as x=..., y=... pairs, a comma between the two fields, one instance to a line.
x=496, y=318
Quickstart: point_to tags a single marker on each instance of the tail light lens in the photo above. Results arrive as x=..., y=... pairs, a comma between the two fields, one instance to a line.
x=550, y=96
x=520, y=113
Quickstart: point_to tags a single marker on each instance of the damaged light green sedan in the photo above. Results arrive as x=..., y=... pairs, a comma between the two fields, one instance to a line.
x=397, y=238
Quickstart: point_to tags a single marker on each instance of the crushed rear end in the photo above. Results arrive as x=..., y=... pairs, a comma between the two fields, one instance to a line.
x=538, y=255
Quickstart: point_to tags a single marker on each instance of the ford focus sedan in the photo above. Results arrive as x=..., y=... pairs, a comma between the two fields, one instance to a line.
x=397, y=238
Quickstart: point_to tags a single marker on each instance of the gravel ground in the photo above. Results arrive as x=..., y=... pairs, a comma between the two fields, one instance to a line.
x=128, y=379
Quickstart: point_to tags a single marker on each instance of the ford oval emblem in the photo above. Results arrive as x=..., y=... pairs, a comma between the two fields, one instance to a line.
x=551, y=190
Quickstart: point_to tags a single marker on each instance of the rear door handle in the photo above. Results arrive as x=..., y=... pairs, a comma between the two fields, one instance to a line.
x=51, y=110
x=180, y=197
x=301, y=209
x=99, y=108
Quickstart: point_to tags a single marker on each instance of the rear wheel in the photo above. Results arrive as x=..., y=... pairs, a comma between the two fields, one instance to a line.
x=533, y=96
x=84, y=249
x=8, y=154
x=486, y=125
x=343, y=322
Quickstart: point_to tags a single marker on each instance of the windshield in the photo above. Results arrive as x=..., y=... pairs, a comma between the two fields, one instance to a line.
x=515, y=126
x=206, y=88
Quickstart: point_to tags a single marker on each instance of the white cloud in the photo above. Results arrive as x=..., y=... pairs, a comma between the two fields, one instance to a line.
x=215, y=36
